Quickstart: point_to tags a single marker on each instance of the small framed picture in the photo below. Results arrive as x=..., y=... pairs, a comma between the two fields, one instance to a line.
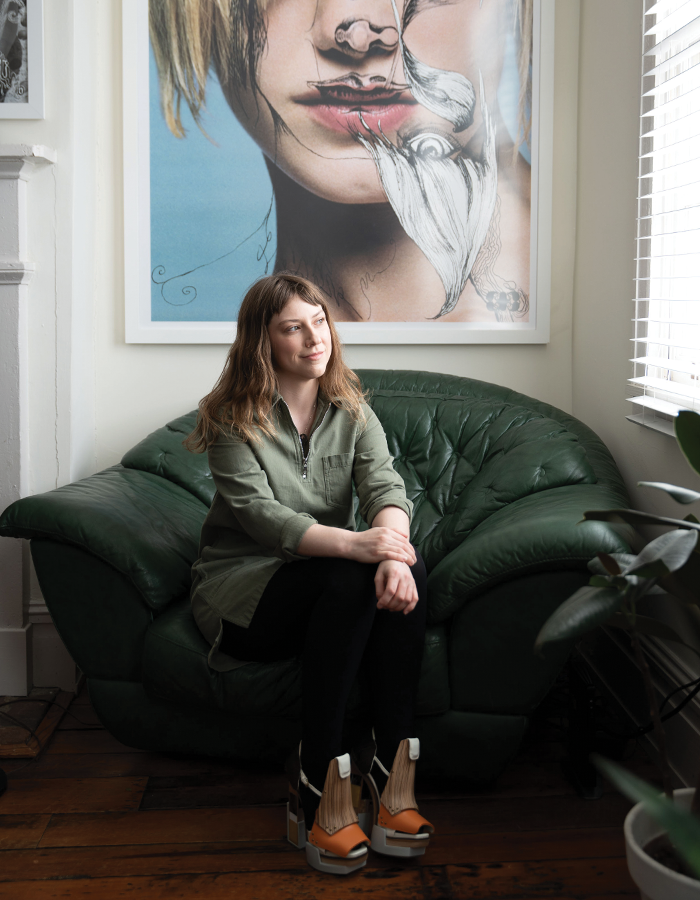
x=21, y=59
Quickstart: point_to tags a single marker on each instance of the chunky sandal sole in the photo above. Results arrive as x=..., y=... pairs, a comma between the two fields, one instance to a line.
x=335, y=865
x=321, y=859
x=385, y=840
x=396, y=843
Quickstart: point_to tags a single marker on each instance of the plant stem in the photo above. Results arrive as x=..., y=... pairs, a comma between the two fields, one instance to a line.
x=655, y=715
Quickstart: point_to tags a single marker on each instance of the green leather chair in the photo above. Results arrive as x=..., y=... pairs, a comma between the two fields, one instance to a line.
x=499, y=482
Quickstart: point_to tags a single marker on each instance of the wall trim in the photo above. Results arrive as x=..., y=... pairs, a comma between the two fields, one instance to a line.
x=18, y=162
x=22, y=160
x=14, y=660
x=38, y=613
x=16, y=271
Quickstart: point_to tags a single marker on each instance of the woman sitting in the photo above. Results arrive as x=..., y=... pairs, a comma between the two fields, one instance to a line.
x=282, y=571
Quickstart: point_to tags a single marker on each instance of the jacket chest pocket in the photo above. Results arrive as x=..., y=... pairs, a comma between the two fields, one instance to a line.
x=337, y=474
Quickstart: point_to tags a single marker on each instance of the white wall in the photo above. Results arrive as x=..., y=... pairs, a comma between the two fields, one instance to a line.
x=92, y=396
x=135, y=388
x=608, y=142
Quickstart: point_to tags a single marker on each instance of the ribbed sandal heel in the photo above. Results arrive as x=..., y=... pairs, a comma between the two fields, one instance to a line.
x=365, y=801
x=336, y=844
x=398, y=828
x=296, y=825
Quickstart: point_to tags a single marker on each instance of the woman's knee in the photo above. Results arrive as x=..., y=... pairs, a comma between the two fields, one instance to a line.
x=350, y=580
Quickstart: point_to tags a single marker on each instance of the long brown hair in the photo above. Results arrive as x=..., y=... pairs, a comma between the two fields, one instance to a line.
x=241, y=401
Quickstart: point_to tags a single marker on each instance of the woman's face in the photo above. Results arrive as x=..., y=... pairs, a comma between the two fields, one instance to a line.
x=331, y=67
x=300, y=340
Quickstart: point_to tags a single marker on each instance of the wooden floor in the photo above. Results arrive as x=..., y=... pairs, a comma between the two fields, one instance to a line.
x=92, y=818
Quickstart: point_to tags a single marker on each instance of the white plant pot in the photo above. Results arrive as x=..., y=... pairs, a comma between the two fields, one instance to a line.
x=656, y=882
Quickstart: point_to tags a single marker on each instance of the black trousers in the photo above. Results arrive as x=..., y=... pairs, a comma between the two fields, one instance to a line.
x=325, y=610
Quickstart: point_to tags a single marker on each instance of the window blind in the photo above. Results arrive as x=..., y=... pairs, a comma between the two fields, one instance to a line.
x=666, y=343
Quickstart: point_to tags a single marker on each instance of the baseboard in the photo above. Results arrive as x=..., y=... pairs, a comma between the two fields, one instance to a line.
x=14, y=661
x=52, y=665
x=38, y=612
x=608, y=654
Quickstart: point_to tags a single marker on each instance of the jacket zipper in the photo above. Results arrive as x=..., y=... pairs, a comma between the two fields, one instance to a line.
x=305, y=459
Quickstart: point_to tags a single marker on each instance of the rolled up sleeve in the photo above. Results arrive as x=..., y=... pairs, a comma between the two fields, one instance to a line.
x=378, y=484
x=243, y=485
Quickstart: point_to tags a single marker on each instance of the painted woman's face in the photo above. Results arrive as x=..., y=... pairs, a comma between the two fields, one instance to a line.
x=333, y=70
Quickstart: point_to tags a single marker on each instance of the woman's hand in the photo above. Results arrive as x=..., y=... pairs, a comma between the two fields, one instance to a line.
x=380, y=544
x=395, y=587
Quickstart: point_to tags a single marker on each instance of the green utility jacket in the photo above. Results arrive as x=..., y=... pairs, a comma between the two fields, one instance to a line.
x=268, y=495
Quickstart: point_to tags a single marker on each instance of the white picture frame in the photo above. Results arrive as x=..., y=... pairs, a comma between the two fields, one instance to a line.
x=33, y=82
x=139, y=326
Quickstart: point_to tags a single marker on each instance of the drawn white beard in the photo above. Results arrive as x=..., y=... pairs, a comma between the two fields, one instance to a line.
x=444, y=204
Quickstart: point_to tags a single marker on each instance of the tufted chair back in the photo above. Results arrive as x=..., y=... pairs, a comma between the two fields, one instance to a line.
x=464, y=448
x=463, y=460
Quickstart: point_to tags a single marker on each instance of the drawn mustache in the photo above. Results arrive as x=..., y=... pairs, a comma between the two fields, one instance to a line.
x=360, y=83
x=447, y=94
x=444, y=204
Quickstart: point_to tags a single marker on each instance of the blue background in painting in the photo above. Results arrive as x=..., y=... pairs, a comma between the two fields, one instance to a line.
x=206, y=198
x=209, y=196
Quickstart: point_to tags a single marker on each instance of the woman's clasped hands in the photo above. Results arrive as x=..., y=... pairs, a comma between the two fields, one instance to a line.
x=394, y=583
x=381, y=543
x=395, y=587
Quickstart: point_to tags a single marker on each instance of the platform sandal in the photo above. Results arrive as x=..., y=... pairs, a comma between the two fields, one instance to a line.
x=335, y=844
x=398, y=829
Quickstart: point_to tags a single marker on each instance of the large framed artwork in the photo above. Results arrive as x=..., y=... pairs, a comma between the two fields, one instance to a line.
x=21, y=59
x=396, y=152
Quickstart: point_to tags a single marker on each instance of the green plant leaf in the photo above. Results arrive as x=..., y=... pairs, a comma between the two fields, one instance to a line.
x=691, y=518
x=664, y=554
x=681, y=826
x=609, y=563
x=646, y=625
x=588, y=607
x=679, y=494
x=622, y=559
x=655, y=589
x=687, y=428
x=635, y=517
x=600, y=581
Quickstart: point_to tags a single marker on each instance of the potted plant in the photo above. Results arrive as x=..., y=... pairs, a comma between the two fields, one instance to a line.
x=662, y=832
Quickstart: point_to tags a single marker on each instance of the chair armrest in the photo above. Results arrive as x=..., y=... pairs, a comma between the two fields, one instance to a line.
x=143, y=525
x=542, y=532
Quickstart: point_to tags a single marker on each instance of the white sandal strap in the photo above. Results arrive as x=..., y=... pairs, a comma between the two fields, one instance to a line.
x=413, y=752
x=378, y=762
x=344, y=766
x=304, y=780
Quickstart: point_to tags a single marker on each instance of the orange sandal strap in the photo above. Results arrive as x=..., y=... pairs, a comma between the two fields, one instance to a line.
x=409, y=821
x=340, y=843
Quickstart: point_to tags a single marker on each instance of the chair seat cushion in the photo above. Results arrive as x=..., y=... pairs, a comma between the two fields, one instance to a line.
x=175, y=669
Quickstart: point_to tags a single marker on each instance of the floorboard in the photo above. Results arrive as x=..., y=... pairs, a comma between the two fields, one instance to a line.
x=96, y=765
x=18, y=832
x=93, y=818
x=72, y=795
x=243, y=856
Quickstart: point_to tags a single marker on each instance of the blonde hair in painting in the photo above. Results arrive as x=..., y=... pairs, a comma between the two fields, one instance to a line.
x=191, y=36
